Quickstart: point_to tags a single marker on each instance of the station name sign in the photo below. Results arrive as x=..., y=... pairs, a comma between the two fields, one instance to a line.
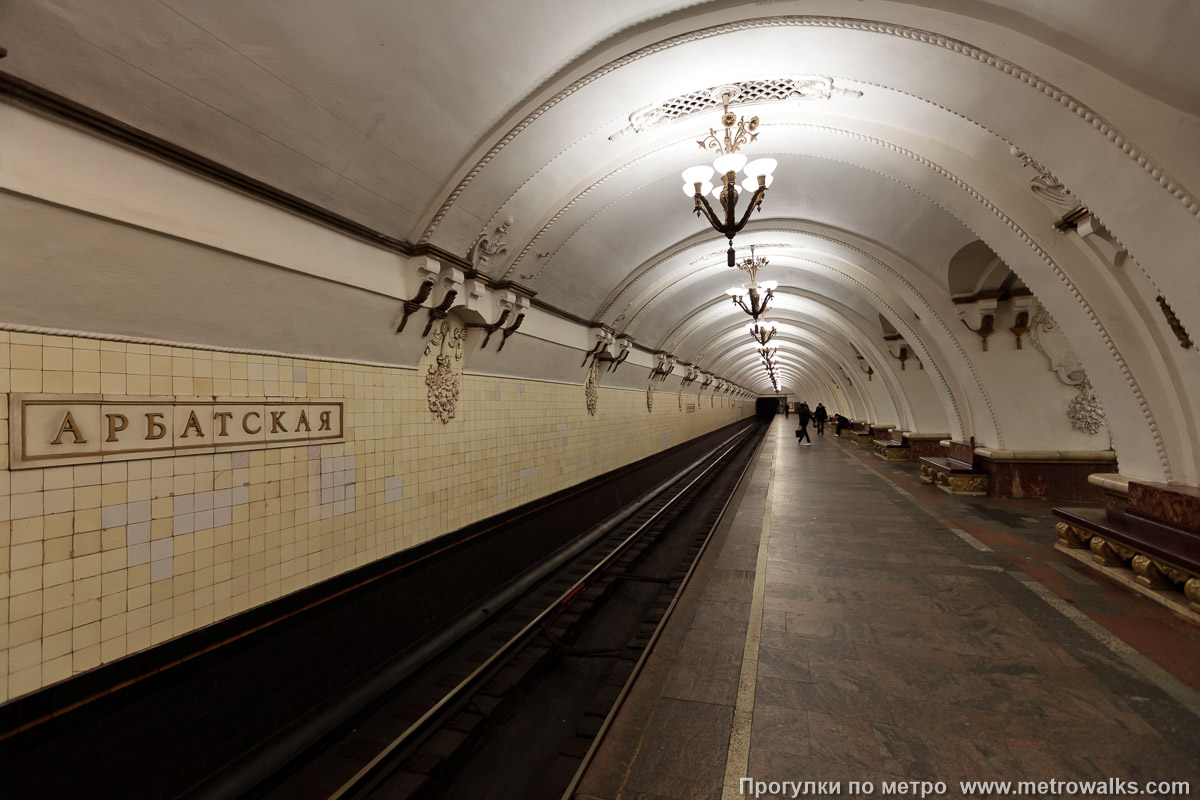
x=50, y=430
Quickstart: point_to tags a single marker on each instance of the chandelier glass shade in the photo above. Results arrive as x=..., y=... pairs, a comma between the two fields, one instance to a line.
x=757, y=174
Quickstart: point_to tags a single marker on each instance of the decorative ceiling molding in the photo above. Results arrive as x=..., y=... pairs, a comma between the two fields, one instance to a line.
x=490, y=249
x=1048, y=339
x=776, y=90
x=1099, y=123
x=1044, y=184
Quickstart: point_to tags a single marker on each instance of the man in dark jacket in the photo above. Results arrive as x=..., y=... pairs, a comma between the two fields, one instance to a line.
x=842, y=423
x=802, y=416
x=819, y=416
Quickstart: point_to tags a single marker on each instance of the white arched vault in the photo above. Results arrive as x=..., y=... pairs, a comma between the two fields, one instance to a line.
x=903, y=134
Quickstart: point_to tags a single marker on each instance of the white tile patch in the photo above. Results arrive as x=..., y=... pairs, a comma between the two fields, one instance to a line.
x=393, y=489
x=139, y=511
x=162, y=563
x=138, y=554
x=561, y=441
x=666, y=437
x=195, y=511
x=137, y=533
x=114, y=516
x=332, y=492
x=496, y=389
x=527, y=475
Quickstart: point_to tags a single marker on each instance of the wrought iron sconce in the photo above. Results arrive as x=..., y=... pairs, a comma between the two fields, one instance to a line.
x=664, y=366
x=1020, y=327
x=985, y=329
x=509, y=331
x=411, y=305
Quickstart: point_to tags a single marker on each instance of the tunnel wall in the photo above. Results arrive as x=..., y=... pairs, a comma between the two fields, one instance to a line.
x=102, y=560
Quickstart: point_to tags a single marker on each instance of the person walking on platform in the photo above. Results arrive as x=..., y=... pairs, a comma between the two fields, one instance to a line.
x=819, y=416
x=802, y=416
x=786, y=407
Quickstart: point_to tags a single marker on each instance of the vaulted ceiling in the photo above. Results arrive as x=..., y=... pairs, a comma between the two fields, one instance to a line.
x=903, y=133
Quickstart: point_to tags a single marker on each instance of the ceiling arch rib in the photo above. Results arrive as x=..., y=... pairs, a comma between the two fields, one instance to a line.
x=799, y=363
x=864, y=286
x=959, y=185
x=862, y=44
x=841, y=333
x=947, y=92
x=987, y=105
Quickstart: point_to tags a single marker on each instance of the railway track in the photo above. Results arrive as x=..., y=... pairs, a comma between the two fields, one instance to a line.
x=517, y=707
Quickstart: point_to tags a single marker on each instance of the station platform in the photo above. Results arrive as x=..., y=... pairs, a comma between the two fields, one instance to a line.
x=850, y=623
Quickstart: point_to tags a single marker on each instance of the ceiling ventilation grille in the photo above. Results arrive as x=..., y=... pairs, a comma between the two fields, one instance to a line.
x=810, y=87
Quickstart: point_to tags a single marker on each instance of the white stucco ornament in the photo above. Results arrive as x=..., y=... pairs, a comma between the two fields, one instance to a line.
x=489, y=250
x=1044, y=184
x=1048, y=339
x=591, y=388
x=443, y=376
x=1085, y=412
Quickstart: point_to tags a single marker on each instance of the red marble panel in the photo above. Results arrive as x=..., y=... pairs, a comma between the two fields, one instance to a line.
x=923, y=447
x=1064, y=481
x=1178, y=505
x=961, y=451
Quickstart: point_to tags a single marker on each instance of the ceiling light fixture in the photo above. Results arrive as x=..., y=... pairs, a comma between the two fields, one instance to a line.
x=758, y=303
x=760, y=332
x=697, y=181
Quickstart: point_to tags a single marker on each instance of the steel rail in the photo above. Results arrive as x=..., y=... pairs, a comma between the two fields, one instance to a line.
x=589, y=756
x=368, y=772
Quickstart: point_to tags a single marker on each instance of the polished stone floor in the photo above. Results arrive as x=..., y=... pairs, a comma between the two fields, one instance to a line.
x=892, y=632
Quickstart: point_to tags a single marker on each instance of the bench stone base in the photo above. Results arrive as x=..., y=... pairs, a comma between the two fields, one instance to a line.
x=1172, y=598
x=1148, y=571
x=891, y=451
x=952, y=482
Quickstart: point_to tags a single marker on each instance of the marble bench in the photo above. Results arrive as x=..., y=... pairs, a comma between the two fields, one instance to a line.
x=1160, y=554
x=953, y=476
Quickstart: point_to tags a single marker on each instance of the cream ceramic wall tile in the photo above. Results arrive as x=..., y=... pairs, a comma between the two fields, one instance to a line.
x=103, y=560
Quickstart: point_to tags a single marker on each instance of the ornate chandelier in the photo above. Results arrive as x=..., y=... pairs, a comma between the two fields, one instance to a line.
x=760, y=333
x=770, y=364
x=697, y=181
x=758, y=303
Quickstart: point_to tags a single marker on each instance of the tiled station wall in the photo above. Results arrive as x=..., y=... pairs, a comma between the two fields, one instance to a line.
x=101, y=560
